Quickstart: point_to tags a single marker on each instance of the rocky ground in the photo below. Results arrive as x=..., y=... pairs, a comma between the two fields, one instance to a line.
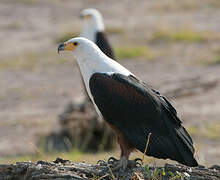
x=182, y=39
x=64, y=169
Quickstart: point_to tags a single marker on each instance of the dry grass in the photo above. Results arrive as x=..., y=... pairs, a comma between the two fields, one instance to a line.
x=209, y=61
x=13, y=26
x=131, y=52
x=186, y=36
x=145, y=151
x=210, y=131
x=210, y=58
x=193, y=130
x=137, y=176
x=166, y=33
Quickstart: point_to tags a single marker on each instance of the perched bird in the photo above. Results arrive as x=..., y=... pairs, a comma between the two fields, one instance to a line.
x=94, y=30
x=131, y=107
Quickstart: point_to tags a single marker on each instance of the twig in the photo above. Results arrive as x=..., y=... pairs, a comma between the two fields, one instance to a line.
x=103, y=176
x=138, y=176
x=112, y=175
x=148, y=139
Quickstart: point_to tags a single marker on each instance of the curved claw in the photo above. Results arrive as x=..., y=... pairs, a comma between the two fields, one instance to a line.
x=138, y=163
x=102, y=163
x=134, y=163
x=138, y=159
x=111, y=160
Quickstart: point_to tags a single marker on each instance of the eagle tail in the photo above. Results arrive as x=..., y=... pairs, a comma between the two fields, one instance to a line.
x=185, y=147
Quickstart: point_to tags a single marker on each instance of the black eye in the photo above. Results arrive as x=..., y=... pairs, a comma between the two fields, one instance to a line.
x=75, y=43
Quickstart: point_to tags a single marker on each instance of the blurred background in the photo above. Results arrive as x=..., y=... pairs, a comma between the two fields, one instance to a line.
x=172, y=45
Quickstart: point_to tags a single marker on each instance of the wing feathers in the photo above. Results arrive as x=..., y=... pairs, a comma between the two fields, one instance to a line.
x=137, y=110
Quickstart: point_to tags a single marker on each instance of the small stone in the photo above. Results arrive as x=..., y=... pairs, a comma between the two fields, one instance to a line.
x=186, y=174
x=39, y=166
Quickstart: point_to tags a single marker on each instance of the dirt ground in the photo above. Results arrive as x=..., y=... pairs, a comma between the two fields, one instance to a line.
x=36, y=83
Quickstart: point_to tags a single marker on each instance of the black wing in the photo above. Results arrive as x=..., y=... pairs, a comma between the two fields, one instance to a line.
x=136, y=110
x=103, y=43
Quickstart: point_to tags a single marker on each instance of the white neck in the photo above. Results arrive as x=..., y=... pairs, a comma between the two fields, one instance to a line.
x=92, y=60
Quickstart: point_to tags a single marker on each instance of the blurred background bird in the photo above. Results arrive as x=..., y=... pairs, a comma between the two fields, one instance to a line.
x=94, y=30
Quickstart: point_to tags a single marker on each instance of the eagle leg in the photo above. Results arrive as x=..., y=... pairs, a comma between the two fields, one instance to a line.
x=122, y=163
x=126, y=149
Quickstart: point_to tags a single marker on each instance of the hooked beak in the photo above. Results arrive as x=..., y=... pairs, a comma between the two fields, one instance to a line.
x=67, y=46
x=61, y=47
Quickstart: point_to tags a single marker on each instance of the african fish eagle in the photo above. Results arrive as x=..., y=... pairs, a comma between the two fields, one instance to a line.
x=94, y=30
x=131, y=107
